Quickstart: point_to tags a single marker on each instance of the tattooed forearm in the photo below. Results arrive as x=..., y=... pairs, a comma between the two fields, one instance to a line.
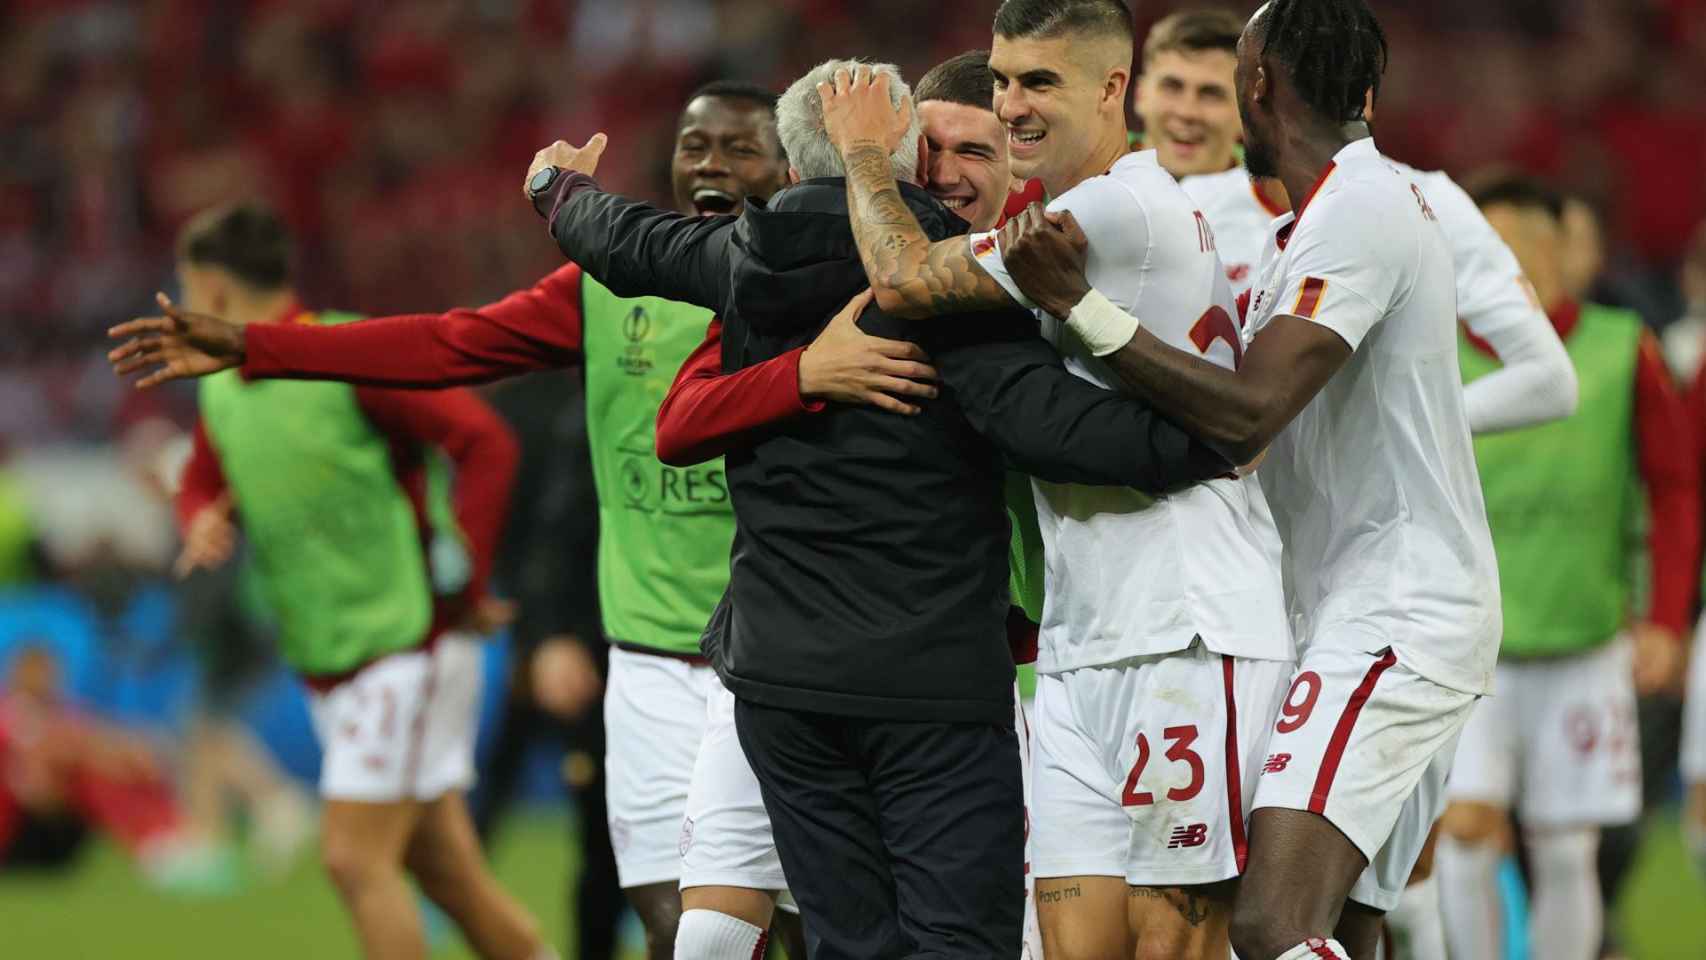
x=920, y=278
x=1194, y=908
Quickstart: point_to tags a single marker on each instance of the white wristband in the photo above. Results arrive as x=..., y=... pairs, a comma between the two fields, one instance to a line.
x=1101, y=324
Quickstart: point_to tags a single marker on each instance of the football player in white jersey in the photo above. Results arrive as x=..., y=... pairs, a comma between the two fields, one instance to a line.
x=1351, y=377
x=1189, y=58
x=1165, y=648
x=1190, y=117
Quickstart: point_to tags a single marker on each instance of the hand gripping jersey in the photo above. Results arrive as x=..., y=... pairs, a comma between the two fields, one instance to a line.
x=1373, y=485
x=1130, y=575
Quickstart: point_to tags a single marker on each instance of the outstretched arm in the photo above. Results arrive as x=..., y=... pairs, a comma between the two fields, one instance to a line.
x=638, y=250
x=910, y=275
x=534, y=329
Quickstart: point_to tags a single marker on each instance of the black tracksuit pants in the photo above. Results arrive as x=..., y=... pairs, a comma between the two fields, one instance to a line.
x=898, y=839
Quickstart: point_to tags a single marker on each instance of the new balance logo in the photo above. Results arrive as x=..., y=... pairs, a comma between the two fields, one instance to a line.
x=1190, y=835
x=1276, y=762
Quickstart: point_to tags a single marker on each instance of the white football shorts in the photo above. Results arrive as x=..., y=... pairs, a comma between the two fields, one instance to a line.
x=403, y=727
x=1557, y=741
x=1145, y=769
x=1366, y=742
x=1694, y=712
x=654, y=718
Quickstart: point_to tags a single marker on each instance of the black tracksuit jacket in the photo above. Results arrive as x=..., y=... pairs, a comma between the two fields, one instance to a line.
x=869, y=571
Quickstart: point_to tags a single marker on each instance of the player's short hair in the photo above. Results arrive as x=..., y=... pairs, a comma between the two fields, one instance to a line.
x=1519, y=190
x=799, y=124
x=1048, y=19
x=963, y=79
x=1194, y=31
x=246, y=239
x=740, y=90
x=1334, y=50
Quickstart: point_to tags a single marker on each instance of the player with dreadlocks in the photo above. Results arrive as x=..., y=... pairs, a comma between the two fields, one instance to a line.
x=1350, y=383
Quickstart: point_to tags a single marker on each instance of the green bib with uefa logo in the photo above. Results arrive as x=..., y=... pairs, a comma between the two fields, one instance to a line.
x=664, y=532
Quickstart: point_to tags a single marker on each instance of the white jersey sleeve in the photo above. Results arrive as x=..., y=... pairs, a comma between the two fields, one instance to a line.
x=1536, y=382
x=1112, y=219
x=1347, y=278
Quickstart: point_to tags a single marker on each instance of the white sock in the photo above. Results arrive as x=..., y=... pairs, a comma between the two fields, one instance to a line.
x=1469, y=902
x=546, y=953
x=1316, y=949
x=1417, y=924
x=1567, y=915
x=709, y=935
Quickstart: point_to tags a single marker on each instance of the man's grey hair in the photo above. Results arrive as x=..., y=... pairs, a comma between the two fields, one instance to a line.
x=799, y=124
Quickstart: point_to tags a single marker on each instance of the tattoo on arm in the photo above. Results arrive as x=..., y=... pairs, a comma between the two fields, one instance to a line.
x=1195, y=908
x=929, y=277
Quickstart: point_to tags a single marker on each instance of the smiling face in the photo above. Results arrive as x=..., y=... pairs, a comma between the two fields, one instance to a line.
x=1190, y=115
x=969, y=167
x=1055, y=96
x=725, y=152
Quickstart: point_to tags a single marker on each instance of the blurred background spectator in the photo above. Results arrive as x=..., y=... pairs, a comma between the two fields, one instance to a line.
x=391, y=136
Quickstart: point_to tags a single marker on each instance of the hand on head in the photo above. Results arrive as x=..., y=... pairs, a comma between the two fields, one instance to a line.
x=857, y=109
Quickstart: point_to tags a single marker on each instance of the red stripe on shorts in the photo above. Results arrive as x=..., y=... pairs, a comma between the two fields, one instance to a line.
x=1342, y=733
x=1234, y=763
x=1319, y=948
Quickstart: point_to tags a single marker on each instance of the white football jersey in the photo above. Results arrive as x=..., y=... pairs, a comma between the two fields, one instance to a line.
x=1492, y=291
x=1373, y=485
x=1240, y=217
x=1128, y=575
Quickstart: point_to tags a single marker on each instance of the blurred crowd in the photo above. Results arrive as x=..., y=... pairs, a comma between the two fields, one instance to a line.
x=393, y=135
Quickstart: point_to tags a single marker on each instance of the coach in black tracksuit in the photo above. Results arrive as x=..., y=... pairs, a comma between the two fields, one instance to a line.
x=865, y=641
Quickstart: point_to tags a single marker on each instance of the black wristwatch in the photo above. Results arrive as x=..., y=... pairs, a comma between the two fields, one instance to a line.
x=539, y=186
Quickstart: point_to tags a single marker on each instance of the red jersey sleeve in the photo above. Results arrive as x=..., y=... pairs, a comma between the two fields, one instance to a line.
x=708, y=413
x=1670, y=470
x=202, y=482
x=534, y=329
x=480, y=445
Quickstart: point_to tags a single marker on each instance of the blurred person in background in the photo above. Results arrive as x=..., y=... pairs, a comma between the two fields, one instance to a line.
x=558, y=654
x=379, y=607
x=228, y=776
x=1685, y=345
x=664, y=532
x=1557, y=746
x=64, y=774
x=21, y=559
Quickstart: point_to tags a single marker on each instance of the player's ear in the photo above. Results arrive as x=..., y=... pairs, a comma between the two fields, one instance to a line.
x=793, y=174
x=1115, y=86
x=923, y=160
